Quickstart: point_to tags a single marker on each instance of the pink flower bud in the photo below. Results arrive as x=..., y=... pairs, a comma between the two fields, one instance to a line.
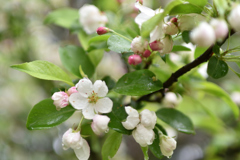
x=140, y=1
x=220, y=28
x=71, y=139
x=100, y=124
x=174, y=20
x=146, y=53
x=102, y=30
x=156, y=45
x=72, y=90
x=134, y=59
x=60, y=99
x=170, y=28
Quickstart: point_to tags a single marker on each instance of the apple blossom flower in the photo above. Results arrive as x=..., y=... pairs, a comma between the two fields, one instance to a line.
x=167, y=145
x=203, y=35
x=71, y=90
x=91, y=18
x=167, y=42
x=132, y=118
x=72, y=139
x=170, y=28
x=90, y=98
x=187, y=22
x=100, y=124
x=143, y=136
x=234, y=17
x=220, y=28
x=171, y=99
x=102, y=30
x=148, y=119
x=134, y=59
x=60, y=99
x=139, y=45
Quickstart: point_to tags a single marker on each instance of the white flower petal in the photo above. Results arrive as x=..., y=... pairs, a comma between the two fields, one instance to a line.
x=131, y=111
x=148, y=119
x=141, y=18
x=100, y=88
x=157, y=33
x=85, y=87
x=83, y=153
x=104, y=105
x=78, y=101
x=143, y=136
x=131, y=122
x=145, y=10
x=88, y=112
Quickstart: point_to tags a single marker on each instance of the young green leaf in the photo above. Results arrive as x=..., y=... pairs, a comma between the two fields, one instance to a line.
x=177, y=48
x=154, y=147
x=44, y=115
x=176, y=119
x=111, y=145
x=96, y=56
x=185, y=36
x=138, y=83
x=109, y=82
x=199, y=51
x=44, y=70
x=99, y=39
x=199, y=3
x=118, y=44
x=62, y=17
x=185, y=9
x=72, y=57
x=216, y=49
x=217, y=68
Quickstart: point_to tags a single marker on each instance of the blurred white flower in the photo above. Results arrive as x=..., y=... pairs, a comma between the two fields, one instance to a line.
x=73, y=139
x=100, y=124
x=91, y=98
x=171, y=100
x=167, y=42
x=148, y=119
x=220, y=28
x=132, y=118
x=235, y=96
x=91, y=18
x=203, y=70
x=60, y=99
x=234, y=18
x=203, y=35
x=167, y=145
x=143, y=136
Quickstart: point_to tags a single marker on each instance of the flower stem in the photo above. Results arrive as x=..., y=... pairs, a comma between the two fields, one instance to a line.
x=120, y=35
x=79, y=125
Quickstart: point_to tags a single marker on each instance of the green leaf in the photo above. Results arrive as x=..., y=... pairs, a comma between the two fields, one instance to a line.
x=118, y=44
x=111, y=145
x=215, y=90
x=138, y=83
x=177, y=48
x=117, y=116
x=186, y=36
x=200, y=3
x=83, y=39
x=154, y=147
x=150, y=24
x=109, y=82
x=62, y=17
x=99, y=39
x=158, y=126
x=222, y=6
x=199, y=51
x=217, y=68
x=44, y=70
x=72, y=57
x=216, y=49
x=145, y=152
x=176, y=119
x=185, y=9
x=238, y=74
x=96, y=56
x=44, y=115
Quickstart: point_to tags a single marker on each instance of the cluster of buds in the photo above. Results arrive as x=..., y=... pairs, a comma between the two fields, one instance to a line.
x=142, y=125
x=206, y=34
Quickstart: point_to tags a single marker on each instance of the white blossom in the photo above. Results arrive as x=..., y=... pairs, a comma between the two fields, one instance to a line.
x=100, y=124
x=139, y=45
x=234, y=18
x=143, y=136
x=91, y=18
x=167, y=145
x=71, y=90
x=90, y=98
x=220, y=28
x=170, y=28
x=73, y=139
x=132, y=118
x=167, y=42
x=171, y=100
x=203, y=35
x=60, y=99
x=235, y=96
x=148, y=119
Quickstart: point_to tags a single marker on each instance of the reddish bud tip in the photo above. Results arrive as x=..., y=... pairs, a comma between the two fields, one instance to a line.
x=102, y=30
x=134, y=59
x=156, y=45
x=146, y=53
x=174, y=20
x=140, y=1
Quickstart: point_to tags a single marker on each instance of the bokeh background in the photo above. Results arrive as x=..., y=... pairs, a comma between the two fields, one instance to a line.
x=24, y=38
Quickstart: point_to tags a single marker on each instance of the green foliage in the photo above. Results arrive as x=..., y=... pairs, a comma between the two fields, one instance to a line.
x=221, y=5
x=44, y=115
x=199, y=51
x=186, y=36
x=154, y=147
x=119, y=44
x=96, y=56
x=216, y=49
x=176, y=119
x=63, y=17
x=185, y=9
x=111, y=145
x=98, y=39
x=138, y=83
x=177, y=48
x=145, y=152
x=44, y=70
x=72, y=57
x=199, y=3
x=217, y=68
x=109, y=82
